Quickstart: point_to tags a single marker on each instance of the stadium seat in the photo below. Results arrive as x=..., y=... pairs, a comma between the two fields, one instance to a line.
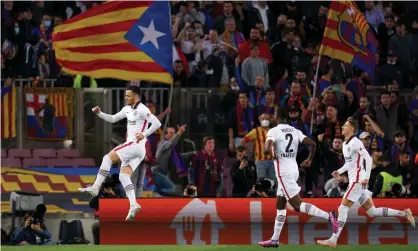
x=59, y=163
x=3, y=153
x=31, y=162
x=11, y=162
x=19, y=153
x=71, y=233
x=84, y=162
x=68, y=153
x=44, y=153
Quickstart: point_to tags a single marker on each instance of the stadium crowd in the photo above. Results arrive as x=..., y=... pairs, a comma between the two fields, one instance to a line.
x=263, y=57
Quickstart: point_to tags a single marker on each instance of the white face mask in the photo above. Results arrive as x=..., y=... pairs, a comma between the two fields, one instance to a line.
x=391, y=62
x=265, y=123
x=235, y=88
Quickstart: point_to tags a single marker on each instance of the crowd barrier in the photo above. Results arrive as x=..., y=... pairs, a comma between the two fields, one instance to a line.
x=244, y=221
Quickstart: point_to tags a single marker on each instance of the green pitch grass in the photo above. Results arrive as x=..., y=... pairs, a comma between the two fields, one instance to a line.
x=214, y=248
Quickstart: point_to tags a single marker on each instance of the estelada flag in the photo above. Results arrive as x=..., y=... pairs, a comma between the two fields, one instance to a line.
x=8, y=112
x=127, y=40
x=348, y=37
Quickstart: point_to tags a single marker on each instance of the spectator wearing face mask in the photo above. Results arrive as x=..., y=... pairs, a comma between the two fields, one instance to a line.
x=264, y=162
x=275, y=32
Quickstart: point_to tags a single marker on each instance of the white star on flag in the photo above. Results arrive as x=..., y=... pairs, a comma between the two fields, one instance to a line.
x=150, y=34
x=351, y=11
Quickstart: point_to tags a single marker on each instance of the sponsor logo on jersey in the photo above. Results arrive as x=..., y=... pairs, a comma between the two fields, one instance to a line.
x=131, y=122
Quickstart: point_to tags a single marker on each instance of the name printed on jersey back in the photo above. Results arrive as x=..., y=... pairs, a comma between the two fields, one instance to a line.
x=287, y=155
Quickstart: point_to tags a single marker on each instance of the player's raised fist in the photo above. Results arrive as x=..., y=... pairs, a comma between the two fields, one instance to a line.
x=335, y=174
x=96, y=109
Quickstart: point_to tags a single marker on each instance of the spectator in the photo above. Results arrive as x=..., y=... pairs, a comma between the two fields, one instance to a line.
x=31, y=58
x=341, y=188
x=206, y=172
x=269, y=106
x=275, y=32
x=43, y=67
x=31, y=233
x=363, y=110
x=244, y=175
x=226, y=21
x=376, y=143
x=391, y=174
x=263, y=162
x=255, y=67
x=255, y=38
x=332, y=126
x=166, y=156
x=374, y=15
x=387, y=115
x=400, y=145
x=191, y=13
x=231, y=36
x=229, y=101
x=240, y=121
x=384, y=32
x=260, y=13
x=295, y=98
x=399, y=44
x=390, y=72
x=333, y=156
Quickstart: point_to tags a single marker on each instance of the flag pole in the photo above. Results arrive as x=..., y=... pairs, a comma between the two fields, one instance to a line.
x=314, y=91
x=169, y=106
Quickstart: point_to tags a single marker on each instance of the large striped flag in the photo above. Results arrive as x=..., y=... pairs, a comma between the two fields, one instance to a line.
x=49, y=113
x=128, y=40
x=8, y=112
x=348, y=37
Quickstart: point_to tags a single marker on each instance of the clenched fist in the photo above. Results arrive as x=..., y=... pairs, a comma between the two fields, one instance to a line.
x=96, y=109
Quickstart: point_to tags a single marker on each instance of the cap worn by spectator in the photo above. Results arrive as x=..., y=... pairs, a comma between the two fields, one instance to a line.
x=364, y=135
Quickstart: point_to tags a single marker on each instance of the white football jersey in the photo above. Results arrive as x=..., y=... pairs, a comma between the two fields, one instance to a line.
x=286, y=140
x=355, y=163
x=138, y=119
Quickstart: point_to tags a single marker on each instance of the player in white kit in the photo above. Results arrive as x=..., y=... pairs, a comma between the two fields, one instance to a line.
x=284, y=140
x=358, y=164
x=132, y=152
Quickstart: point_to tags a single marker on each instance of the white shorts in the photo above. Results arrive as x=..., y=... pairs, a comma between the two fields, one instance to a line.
x=356, y=193
x=130, y=154
x=288, y=185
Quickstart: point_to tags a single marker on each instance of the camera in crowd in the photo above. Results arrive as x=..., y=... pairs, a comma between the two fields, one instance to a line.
x=190, y=191
x=38, y=216
x=396, y=191
x=110, y=182
x=262, y=188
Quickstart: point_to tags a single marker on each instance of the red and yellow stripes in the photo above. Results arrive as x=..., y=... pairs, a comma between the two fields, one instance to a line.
x=8, y=114
x=59, y=101
x=331, y=42
x=93, y=44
